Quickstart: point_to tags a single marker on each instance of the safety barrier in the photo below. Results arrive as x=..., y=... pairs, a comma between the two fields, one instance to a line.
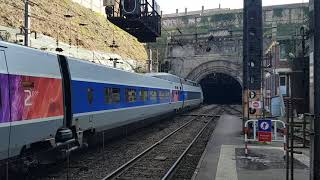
x=275, y=137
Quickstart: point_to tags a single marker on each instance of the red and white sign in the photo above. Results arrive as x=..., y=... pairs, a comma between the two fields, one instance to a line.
x=256, y=104
x=265, y=136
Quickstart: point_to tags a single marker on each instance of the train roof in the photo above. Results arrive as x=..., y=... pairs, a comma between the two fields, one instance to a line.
x=173, y=78
x=17, y=47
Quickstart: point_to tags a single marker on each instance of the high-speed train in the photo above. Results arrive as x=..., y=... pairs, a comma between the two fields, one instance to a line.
x=50, y=101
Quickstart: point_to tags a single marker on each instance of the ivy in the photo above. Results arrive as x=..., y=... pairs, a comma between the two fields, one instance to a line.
x=204, y=20
x=278, y=12
x=185, y=19
x=223, y=17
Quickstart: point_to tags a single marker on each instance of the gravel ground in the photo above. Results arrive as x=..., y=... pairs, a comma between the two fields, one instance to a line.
x=188, y=164
x=97, y=162
x=157, y=162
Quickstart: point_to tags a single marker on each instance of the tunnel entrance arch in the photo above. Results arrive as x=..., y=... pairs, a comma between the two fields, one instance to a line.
x=220, y=88
x=221, y=81
x=217, y=66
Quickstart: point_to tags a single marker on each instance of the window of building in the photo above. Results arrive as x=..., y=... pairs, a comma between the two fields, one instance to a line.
x=112, y=95
x=283, y=81
x=283, y=85
x=90, y=95
x=283, y=52
x=131, y=95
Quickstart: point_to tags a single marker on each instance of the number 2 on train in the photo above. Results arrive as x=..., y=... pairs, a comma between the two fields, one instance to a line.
x=27, y=100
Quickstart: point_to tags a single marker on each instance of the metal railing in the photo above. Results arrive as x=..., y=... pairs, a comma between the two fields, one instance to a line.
x=279, y=133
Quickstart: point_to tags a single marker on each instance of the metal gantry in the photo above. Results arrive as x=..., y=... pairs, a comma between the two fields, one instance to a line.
x=315, y=147
x=252, y=54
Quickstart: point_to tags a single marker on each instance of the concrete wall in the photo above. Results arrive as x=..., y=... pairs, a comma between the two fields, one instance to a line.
x=211, y=40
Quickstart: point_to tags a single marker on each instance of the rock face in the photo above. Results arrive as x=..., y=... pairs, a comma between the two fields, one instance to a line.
x=86, y=29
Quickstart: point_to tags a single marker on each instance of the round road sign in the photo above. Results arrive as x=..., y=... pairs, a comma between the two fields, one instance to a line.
x=252, y=111
x=264, y=126
x=252, y=94
x=255, y=104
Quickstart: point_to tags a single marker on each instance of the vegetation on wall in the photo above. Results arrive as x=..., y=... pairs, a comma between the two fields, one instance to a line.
x=277, y=12
x=96, y=32
x=227, y=17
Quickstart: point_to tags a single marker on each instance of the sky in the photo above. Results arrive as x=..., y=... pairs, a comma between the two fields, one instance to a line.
x=170, y=6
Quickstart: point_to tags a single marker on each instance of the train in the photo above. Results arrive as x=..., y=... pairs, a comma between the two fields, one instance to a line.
x=51, y=101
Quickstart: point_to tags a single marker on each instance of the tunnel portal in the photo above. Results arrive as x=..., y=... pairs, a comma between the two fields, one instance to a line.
x=219, y=88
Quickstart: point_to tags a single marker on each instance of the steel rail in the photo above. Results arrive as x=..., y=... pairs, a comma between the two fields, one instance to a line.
x=122, y=168
x=170, y=172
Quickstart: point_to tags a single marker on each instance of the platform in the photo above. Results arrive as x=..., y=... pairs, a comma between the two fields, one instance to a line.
x=224, y=157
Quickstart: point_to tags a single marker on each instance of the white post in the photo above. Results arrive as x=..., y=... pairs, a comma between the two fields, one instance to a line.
x=275, y=130
x=254, y=131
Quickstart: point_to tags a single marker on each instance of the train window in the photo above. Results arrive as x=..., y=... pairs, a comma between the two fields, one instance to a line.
x=112, y=95
x=108, y=95
x=153, y=96
x=131, y=95
x=90, y=95
x=164, y=95
x=115, y=95
x=144, y=95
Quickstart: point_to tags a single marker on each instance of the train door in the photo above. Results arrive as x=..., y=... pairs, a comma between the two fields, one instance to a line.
x=5, y=120
x=181, y=94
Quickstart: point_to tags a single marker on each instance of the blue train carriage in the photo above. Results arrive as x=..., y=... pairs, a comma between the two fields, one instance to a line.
x=188, y=92
x=49, y=101
x=106, y=98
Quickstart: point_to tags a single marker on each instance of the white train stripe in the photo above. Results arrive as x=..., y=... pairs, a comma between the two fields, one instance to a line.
x=35, y=75
x=128, y=108
x=120, y=109
x=125, y=84
x=15, y=123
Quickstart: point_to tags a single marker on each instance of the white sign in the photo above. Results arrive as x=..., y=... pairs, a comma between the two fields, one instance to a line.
x=256, y=104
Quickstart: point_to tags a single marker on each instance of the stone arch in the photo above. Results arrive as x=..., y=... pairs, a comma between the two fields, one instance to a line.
x=217, y=66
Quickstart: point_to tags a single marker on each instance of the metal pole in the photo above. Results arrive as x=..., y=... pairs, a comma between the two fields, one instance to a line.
x=316, y=139
x=26, y=22
x=114, y=63
x=287, y=152
x=157, y=67
x=291, y=138
x=304, y=132
x=150, y=61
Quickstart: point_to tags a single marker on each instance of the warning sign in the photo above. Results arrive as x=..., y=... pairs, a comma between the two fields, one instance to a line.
x=256, y=104
x=265, y=136
x=265, y=130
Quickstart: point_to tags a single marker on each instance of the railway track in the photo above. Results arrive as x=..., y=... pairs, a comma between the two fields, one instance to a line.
x=233, y=110
x=160, y=160
x=176, y=154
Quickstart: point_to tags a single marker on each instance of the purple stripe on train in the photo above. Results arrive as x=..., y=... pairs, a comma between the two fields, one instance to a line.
x=31, y=98
x=4, y=99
